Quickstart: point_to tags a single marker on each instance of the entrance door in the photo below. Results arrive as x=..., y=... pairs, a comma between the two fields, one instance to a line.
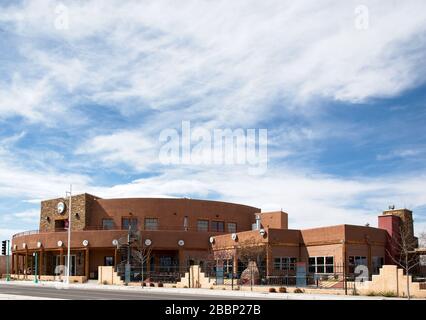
x=72, y=263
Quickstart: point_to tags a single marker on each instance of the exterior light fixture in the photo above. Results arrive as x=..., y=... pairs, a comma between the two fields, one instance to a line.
x=24, y=245
x=234, y=236
x=148, y=242
x=60, y=243
x=85, y=243
x=77, y=216
x=262, y=232
x=181, y=243
x=211, y=240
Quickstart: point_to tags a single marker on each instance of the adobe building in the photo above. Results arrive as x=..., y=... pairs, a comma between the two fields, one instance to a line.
x=180, y=232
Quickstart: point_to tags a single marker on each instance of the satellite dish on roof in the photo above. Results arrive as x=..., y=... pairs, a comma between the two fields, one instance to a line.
x=392, y=207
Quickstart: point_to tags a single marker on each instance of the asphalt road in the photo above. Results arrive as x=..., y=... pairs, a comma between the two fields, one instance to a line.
x=92, y=294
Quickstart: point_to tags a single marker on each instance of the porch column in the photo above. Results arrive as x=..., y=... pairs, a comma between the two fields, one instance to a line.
x=181, y=260
x=115, y=258
x=61, y=257
x=12, y=271
x=41, y=268
x=86, y=263
x=269, y=262
x=148, y=262
x=26, y=264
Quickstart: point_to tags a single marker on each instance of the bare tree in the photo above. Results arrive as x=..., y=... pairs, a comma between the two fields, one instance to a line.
x=403, y=252
x=251, y=250
x=141, y=253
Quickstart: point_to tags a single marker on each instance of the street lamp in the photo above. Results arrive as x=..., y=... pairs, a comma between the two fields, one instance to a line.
x=69, y=234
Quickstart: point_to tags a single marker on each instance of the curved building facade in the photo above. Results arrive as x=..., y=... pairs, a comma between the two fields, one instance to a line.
x=177, y=232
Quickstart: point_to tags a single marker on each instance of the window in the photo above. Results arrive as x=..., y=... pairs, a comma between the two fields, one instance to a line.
x=355, y=261
x=131, y=223
x=203, y=225
x=151, y=223
x=323, y=264
x=108, y=261
x=232, y=227
x=285, y=263
x=378, y=262
x=107, y=224
x=218, y=226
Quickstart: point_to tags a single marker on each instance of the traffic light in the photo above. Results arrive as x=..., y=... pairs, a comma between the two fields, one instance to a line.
x=3, y=247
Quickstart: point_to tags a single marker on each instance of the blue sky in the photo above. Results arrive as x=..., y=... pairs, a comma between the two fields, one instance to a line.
x=86, y=87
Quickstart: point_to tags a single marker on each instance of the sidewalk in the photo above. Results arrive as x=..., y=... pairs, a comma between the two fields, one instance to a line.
x=207, y=292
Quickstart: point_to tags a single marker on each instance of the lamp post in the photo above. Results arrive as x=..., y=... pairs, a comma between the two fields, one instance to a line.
x=35, y=255
x=69, y=235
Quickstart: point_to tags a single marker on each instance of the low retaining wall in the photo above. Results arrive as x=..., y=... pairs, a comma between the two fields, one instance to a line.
x=391, y=279
x=73, y=279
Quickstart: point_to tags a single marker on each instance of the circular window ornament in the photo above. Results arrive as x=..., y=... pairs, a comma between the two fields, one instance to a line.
x=60, y=208
x=211, y=240
x=60, y=243
x=39, y=244
x=181, y=243
x=24, y=245
x=148, y=242
x=234, y=236
x=85, y=243
x=115, y=242
x=262, y=232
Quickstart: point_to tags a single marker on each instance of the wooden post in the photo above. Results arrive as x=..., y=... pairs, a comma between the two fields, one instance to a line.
x=115, y=258
x=41, y=268
x=13, y=264
x=26, y=265
x=86, y=264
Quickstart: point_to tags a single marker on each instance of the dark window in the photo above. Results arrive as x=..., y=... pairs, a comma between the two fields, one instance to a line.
x=218, y=226
x=285, y=263
x=151, y=223
x=321, y=264
x=232, y=227
x=108, y=261
x=203, y=225
x=129, y=222
x=107, y=224
x=355, y=261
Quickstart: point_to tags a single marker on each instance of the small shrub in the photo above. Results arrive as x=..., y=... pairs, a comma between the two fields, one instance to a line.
x=151, y=284
x=105, y=282
x=211, y=288
x=160, y=285
x=186, y=287
x=126, y=284
x=173, y=286
x=223, y=288
x=298, y=290
x=389, y=294
x=143, y=284
x=272, y=290
x=371, y=294
x=282, y=289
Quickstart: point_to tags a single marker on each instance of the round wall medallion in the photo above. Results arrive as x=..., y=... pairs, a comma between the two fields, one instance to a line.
x=234, y=236
x=262, y=232
x=60, y=208
x=181, y=243
x=39, y=244
x=24, y=245
x=148, y=242
x=85, y=243
x=211, y=240
x=115, y=242
x=60, y=243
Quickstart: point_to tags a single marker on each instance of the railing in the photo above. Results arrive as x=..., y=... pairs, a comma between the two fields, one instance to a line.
x=115, y=228
x=25, y=233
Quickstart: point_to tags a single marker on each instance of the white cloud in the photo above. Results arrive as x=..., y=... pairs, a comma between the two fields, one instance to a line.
x=226, y=61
